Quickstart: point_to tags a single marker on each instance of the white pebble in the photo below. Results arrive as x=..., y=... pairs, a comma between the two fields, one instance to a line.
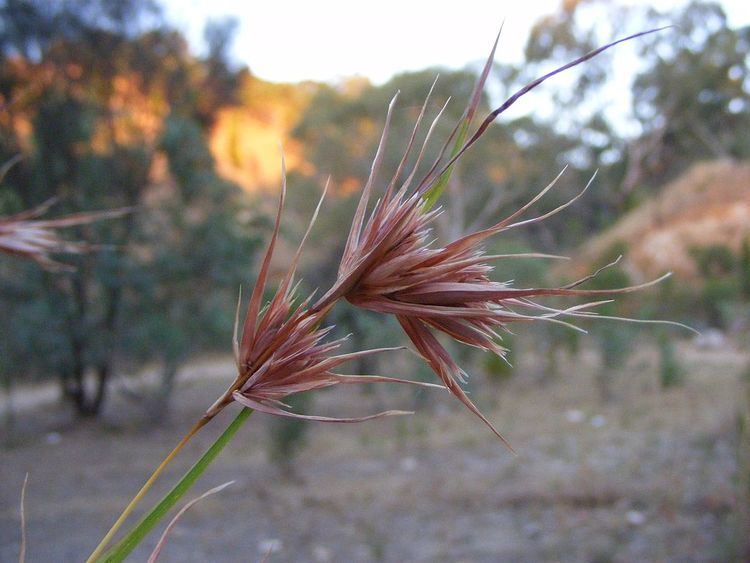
x=635, y=518
x=270, y=545
x=322, y=554
x=598, y=421
x=574, y=416
x=408, y=464
x=53, y=438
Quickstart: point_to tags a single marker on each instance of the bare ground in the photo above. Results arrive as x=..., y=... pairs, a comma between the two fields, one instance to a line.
x=649, y=477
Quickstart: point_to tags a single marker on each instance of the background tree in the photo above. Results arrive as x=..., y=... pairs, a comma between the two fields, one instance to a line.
x=111, y=97
x=705, y=116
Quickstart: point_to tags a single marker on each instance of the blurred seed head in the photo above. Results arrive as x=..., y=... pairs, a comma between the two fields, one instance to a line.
x=27, y=236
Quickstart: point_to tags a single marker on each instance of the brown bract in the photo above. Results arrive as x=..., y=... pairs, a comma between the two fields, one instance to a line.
x=283, y=350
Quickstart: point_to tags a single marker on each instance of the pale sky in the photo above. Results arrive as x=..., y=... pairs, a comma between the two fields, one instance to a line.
x=326, y=40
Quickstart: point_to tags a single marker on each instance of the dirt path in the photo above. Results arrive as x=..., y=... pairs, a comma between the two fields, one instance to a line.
x=27, y=398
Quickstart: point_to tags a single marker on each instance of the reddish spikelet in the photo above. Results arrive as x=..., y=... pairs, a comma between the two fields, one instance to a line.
x=36, y=239
x=282, y=350
x=391, y=265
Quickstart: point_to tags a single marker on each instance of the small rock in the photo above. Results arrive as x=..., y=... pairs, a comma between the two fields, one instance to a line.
x=322, y=554
x=408, y=464
x=53, y=438
x=532, y=529
x=598, y=421
x=270, y=545
x=635, y=518
x=710, y=339
x=574, y=416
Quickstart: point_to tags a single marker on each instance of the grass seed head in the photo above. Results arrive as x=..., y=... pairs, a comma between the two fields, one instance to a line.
x=391, y=264
x=283, y=348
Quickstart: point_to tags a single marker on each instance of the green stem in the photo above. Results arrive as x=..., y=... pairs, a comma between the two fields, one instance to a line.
x=96, y=554
x=121, y=550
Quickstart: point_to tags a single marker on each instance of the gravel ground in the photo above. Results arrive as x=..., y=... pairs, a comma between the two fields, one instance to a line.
x=648, y=477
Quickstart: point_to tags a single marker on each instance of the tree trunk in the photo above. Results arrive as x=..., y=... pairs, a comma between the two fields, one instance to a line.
x=86, y=404
x=604, y=384
x=10, y=411
x=159, y=405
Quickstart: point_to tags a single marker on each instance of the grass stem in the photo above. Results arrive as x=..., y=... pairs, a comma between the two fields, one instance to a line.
x=144, y=489
x=123, y=548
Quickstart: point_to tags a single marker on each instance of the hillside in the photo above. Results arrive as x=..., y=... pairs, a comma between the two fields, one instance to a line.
x=245, y=138
x=708, y=205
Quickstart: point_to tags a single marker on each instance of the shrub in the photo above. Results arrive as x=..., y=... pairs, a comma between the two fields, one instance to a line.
x=670, y=371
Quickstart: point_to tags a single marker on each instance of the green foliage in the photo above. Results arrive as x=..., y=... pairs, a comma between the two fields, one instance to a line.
x=670, y=370
x=166, y=287
x=552, y=344
x=287, y=435
x=714, y=261
x=705, y=117
x=340, y=131
x=501, y=369
x=743, y=269
x=615, y=340
x=721, y=286
x=563, y=36
x=672, y=299
x=707, y=114
x=717, y=294
x=615, y=344
x=521, y=153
